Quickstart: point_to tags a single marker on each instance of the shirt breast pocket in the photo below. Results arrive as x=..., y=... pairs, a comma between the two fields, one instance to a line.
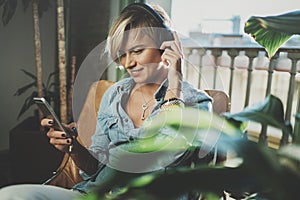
x=114, y=130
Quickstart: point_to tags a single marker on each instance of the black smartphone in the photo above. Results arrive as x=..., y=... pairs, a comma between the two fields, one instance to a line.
x=48, y=112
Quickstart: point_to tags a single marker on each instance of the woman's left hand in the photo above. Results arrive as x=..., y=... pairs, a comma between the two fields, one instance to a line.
x=172, y=57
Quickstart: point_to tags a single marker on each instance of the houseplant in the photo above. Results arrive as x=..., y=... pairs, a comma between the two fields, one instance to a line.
x=29, y=146
x=210, y=180
x=272, y=32
x=26, y=139
x=48, y=91
x=38, y=8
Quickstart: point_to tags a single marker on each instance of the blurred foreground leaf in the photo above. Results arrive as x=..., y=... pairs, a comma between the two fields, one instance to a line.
x=261, y=171
x=267, y=112
x=190, y=128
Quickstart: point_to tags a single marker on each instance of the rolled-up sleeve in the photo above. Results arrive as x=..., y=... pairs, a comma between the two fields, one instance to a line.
x=196, y=98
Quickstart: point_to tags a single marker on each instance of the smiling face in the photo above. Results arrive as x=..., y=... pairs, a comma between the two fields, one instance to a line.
x=140, y=57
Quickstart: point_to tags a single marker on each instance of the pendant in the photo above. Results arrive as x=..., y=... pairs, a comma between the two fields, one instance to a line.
x=144, y=107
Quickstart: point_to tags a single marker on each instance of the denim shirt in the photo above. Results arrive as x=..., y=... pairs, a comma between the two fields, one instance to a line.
x=114, y=126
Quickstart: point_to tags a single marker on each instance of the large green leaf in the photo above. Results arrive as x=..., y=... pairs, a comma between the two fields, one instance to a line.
x=252, y=175
x=189, y=124
x=267, y=112
x=176, y=182
x=10, y=6
x=262, y=171
x=191, y=128
x=273, y=31
x=188, y=129
x=9, y=9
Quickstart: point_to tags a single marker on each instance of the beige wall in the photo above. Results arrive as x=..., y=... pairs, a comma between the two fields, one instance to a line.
x=166, y=4
x=17, y=52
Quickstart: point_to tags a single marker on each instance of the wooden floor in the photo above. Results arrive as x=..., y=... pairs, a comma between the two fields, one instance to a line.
x=273, y=141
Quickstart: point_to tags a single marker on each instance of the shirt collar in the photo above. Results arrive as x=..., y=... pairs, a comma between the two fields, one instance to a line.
x=126, y=86
x=129, y=84
x=160, y=93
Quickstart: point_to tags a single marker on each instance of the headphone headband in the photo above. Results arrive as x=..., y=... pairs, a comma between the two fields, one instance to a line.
x=148, y=9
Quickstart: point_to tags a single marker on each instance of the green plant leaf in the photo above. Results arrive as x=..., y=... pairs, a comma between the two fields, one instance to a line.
x=176, y=182
x=9, y=8
x=23, y=89
x=287, y=23
x=182, y=180
x=31, y=75
x=26, y=4
x=47, y=93
x=190, y=118
x=188, y=129
x=51, y=75
x=2, y=2
x=43, y=6
x=27, y=104
x=253, y=175
x=90, y=196
x=273, y=31
x=267, y=112
x=289, y=157
x=187, y=123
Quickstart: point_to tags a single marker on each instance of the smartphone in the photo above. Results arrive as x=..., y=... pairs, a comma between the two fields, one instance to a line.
x=48, y=112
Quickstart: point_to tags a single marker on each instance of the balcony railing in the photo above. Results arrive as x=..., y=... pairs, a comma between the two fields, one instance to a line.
x=248, y=76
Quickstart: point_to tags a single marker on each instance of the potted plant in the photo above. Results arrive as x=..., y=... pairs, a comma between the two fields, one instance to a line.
x=272, y=32
x=38, y=8
x=28, y=138
x=250, y=177
x=48, y=91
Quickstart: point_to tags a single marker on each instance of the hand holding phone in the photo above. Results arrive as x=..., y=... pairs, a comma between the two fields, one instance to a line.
x=48, y=112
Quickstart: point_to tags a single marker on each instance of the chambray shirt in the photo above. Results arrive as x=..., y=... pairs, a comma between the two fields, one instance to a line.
x=114, y=125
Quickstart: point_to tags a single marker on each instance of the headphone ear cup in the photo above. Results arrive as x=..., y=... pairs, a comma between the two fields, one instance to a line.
x=171, y=36
x=165, y=34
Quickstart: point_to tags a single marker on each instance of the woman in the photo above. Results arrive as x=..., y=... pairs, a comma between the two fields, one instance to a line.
x=140, y=40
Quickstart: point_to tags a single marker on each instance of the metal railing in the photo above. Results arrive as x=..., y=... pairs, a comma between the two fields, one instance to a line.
x=231, y=68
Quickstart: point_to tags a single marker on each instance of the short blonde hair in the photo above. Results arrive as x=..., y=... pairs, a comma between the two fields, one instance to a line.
x=135, y=16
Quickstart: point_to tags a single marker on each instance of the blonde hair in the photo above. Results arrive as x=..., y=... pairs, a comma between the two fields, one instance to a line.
x=134, y=18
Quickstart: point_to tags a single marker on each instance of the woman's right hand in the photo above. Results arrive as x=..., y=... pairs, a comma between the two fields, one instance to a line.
x=80, y=155
x=58, y=139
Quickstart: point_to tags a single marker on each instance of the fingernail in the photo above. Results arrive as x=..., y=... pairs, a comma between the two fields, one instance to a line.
x=69, y=141
x=63, y=135
x=50, y=122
